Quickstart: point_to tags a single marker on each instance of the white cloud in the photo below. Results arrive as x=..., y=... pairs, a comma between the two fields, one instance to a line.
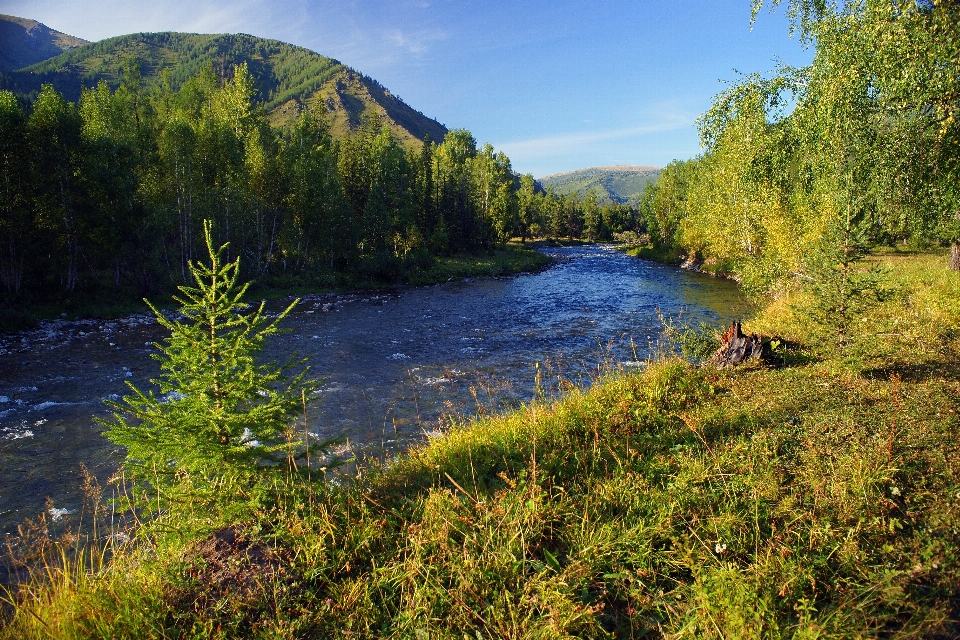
x=416, y=43
x=566, y=144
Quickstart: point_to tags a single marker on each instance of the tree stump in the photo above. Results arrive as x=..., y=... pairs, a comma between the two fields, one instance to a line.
x=737, y=348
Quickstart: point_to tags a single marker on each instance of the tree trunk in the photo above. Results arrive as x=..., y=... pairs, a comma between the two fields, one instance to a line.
x=955, y=249
x=737, y=348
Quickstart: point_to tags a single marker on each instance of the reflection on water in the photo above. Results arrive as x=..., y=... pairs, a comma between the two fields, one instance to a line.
x=392, y=363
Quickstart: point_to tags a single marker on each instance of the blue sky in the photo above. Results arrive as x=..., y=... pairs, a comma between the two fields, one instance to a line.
x=557, y=85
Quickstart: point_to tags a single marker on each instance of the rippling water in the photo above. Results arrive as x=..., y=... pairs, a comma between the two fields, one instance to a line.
x=392, y=363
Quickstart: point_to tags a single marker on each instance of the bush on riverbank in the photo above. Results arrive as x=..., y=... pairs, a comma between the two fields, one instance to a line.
x=818, y=499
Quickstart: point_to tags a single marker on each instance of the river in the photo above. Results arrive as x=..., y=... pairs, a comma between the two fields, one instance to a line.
x=392, y=364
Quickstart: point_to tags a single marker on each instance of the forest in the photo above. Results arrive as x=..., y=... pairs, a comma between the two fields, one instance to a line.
x=107, y=196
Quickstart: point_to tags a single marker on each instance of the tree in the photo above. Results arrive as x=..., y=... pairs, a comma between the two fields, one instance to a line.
x=528, y=206
x=592, y=217
x=841, y=292
x=110, y=161
x=888, y=70
x=317, y=221
x=664, y=202
x=15, y=216
x=221, y=419
x=53, y=132
x=456, y=223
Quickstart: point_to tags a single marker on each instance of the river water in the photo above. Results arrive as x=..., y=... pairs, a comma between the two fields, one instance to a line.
x=393, y=364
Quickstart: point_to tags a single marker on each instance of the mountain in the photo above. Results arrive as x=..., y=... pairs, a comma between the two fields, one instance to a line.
x=24, y=42
x=620, y=183
x=288, y=77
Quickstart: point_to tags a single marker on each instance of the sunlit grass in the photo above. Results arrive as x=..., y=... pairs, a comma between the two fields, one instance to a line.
x=820, y=499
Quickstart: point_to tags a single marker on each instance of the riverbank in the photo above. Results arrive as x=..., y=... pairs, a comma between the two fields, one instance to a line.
x=813, y=499
x=673, y=257
x=391, y=362
x=509, y=259
x=46, y=325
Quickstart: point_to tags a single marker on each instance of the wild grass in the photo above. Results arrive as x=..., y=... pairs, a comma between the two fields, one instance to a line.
x=666, y=255
x=504, y=260
x=818, y=499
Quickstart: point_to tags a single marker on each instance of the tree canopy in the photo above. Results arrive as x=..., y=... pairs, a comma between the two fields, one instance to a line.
x=863, y=144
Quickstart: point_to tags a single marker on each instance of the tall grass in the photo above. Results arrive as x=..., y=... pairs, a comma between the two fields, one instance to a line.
x=817, y=499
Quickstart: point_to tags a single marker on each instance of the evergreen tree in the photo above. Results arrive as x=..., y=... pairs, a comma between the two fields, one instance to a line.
x=840, y=290
x=221, y=420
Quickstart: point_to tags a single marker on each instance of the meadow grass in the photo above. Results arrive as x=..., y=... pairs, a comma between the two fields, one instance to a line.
x=818, y=498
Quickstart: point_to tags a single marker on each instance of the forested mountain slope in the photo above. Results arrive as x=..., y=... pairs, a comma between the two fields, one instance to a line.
x=24, y=42
x=288, y=77
x=621, y=183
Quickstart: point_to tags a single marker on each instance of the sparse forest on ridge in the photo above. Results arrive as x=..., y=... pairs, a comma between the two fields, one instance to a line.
x=619, y=184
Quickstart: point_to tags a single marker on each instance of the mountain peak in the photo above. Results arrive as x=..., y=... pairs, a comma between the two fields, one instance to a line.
x=24, y=42
x=289, y=78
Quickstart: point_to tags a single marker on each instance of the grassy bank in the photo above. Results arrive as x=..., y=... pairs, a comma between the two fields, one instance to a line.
x=110, y=303
x=673, y=256
x=504, y=260
x=666, y=255
x=819, y=498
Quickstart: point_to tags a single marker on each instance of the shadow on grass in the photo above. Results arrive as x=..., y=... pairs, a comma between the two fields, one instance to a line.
x=916, y=372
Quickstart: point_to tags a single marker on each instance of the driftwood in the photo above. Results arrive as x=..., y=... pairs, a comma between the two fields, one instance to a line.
x=737, y=348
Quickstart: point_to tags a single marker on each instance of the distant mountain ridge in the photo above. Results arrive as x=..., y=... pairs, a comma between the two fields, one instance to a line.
x=617, y=183
x=289, y=77
x=24, y=42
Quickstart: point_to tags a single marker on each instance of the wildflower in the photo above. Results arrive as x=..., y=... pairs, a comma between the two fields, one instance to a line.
x=895, y=491
x=719, y=548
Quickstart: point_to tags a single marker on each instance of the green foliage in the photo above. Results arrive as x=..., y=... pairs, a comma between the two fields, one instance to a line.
x=867, y=132
x=104, y=201
x=663, y=203
x=841, y=291
x=15, y=218
x=221, y=420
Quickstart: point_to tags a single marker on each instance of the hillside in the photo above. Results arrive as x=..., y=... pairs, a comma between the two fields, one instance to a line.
x=288, y=76
x=620, y=183
x=24, y=42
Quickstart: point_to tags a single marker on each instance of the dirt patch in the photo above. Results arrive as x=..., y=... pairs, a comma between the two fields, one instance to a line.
x=230, y=575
